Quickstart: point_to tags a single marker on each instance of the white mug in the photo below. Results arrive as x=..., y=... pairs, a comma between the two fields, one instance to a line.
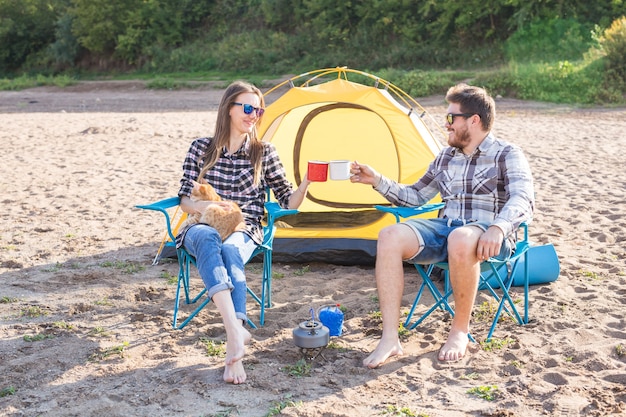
x=339, y=169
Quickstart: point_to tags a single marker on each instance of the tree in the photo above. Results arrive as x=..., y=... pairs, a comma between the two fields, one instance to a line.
x=26, y=28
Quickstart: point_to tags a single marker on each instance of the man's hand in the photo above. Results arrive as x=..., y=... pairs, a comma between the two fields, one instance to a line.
x=489, y=243
x=364, y=174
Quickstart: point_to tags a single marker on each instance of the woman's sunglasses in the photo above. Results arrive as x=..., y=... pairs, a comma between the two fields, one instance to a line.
x=450, y=116
x=249, y=108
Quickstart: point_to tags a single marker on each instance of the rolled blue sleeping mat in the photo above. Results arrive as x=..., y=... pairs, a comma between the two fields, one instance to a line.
x=543, y=264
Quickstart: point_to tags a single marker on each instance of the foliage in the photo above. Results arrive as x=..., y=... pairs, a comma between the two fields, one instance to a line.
x=424, y=83
x=486, y=392
x=542, y=48
x=65, y=49
x=394, y=410
x=549, y=40
x=494, y=343
x=10, y=390
x=36, y=337
x=26, y=27
x=98, y=23
x=561, y=82
x=300, y=369
x=279, y=406
x=23, y=82
x=214, y=348
x=613, y=44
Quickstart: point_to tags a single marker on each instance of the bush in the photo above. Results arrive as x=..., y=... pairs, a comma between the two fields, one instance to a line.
x=549, y=41
x=613, y=44
x=561, y=82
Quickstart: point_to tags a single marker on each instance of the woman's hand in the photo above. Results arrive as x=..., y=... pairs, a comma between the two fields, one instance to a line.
x=298, y=195
x=197, y=207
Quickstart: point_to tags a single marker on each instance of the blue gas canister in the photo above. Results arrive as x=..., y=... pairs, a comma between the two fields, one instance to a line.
x=332, y=317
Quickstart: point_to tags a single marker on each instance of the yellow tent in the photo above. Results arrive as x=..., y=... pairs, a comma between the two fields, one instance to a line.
x=326, y=120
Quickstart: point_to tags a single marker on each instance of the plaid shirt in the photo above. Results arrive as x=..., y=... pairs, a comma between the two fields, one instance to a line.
x=492, y=185
x=232, y=176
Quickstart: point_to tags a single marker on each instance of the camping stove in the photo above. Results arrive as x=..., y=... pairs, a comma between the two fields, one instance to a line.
x=311, y=337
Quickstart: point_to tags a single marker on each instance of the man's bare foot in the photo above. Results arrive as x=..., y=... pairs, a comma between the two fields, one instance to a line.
x=383, y=351
x=455, y=347
x=235, y=351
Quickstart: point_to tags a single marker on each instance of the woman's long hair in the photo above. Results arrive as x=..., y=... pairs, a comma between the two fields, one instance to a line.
x=222, y=130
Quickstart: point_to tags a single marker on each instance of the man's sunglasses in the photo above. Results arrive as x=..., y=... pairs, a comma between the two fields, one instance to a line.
x=249, y=108
x=450, y=116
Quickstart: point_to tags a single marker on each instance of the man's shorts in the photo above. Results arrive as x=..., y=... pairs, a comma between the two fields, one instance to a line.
x=434, y=234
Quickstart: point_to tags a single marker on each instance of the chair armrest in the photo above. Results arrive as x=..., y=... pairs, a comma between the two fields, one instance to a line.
x=162, y=206
x=405, y=212
x=275, y=211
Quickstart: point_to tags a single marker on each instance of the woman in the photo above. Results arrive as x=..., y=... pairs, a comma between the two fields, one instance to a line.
x=240, y=167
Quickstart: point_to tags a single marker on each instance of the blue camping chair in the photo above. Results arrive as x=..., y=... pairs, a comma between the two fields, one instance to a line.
x=495, y=275
x=185, y=260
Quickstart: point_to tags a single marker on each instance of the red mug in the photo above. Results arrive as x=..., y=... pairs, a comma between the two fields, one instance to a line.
x=317, y=171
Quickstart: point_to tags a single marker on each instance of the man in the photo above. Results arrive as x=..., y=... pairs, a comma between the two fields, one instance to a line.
x=487, y=188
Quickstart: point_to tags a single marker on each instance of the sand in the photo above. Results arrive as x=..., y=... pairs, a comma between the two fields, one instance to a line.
x=85, y=319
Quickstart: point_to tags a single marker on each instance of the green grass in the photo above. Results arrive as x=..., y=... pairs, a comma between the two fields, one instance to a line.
x=299, y=369
x=126, y=267
x=107, y=353
x=403, y=332
x=278, y=275
x=171, y=279
x=24, y=81
x=103, y=302
x=394, y=410
x=590, y=274
x=301, y=271
x=62, y=325
x=486, y=392
x=278, y=406
x=6, y=391
x=98, y=332
x=495, y=343
x=471, y=376
x=214, y=348
x=582, y=82
x=37, y=337
x=33, y=312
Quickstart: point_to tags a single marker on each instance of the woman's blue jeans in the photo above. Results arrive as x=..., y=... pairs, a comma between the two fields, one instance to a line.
x=221, y=265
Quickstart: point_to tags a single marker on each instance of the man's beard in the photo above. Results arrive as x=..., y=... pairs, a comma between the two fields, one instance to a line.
x=460, y=139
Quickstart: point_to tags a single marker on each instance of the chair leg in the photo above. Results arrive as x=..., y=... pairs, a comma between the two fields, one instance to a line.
x=526, y=284
x=265, y=300
x=407, y=322
x=505, y=286
x=266, y=289
x=441, y=301
x=184, y=264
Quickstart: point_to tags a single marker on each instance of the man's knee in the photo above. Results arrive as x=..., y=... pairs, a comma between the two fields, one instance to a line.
x=397, y=239
x=462, y=242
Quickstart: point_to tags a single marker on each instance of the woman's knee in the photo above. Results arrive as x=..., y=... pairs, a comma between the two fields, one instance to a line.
x=200, y=239
x=231, y=253
x=204, y=234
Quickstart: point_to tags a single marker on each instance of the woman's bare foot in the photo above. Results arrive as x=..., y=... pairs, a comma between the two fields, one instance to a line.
x=383, y=351
x=235, y=351
x=234, y=373
x=455, y=347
